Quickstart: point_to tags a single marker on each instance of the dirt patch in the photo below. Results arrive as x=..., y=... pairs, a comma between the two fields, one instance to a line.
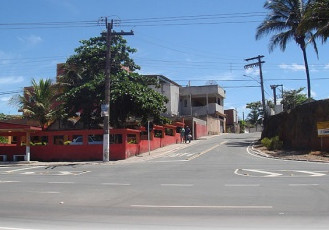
x=289, y=154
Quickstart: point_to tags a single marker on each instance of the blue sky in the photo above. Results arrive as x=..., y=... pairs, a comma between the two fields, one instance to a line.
x=185, y=40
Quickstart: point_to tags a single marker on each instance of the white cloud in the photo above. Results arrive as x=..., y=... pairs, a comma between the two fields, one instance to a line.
x=293, y=67
x=11, y=80
x=31, y=40
x=313, y=94
x=252, y=71
x=5, y=99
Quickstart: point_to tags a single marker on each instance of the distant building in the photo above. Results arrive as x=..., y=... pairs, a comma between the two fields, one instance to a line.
x=195, y=104
x=232, y=122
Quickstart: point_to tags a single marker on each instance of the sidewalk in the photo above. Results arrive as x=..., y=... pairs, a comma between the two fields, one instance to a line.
x=135, y=159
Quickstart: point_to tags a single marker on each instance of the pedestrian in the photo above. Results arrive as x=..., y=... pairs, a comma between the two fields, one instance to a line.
x=188, y=135
x=182, y=135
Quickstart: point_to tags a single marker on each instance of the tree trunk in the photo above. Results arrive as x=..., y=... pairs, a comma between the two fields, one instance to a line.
x=307, y=72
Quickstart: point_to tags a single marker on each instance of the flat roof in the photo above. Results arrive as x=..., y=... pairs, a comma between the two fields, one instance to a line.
x=6, y=127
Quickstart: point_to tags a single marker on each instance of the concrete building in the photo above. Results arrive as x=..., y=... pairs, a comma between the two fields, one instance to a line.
x=232, y=123
x=194, y=103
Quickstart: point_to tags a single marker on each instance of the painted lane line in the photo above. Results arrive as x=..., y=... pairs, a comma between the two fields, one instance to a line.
x=167, y=161
x=61, y=182
x=303, y=185
x=9, y=181
x=47, y=192
x=242, y=185
x=22, y=169
x=178, y=185
x=11, y=228
x=116, y=184
x=201, y=206
x=206, y=151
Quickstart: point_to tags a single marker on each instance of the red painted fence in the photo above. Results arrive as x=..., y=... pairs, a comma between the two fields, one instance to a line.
x=86, y=145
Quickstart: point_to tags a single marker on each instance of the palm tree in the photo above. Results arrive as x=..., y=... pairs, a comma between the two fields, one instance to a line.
x=284, y=19
x=317, y=18
x=38, y=102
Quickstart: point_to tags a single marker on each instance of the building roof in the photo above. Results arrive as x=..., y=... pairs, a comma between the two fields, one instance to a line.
x=6, y=127
x=163, y=79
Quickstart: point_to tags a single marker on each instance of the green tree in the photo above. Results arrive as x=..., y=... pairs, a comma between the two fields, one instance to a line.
x=3, y=116
x=2, y=139
x=293, y=98
x=256, y=112
x=284, y=19
x=37, y=103
x=84, y=85
x=317, y=18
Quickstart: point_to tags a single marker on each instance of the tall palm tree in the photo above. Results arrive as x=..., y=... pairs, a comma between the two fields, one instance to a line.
x=317, y=18
x=38, y=102
x=283, y=19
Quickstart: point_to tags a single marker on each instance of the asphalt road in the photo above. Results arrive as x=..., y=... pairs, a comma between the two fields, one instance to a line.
x=216, y=183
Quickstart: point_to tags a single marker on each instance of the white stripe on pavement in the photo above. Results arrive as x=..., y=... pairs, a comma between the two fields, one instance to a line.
x=202, y=206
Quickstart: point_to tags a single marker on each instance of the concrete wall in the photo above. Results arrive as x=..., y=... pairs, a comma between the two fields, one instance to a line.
x=298, y=128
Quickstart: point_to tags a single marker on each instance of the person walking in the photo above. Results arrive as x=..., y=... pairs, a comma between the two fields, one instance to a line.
x=188, y=135
x=182, y=135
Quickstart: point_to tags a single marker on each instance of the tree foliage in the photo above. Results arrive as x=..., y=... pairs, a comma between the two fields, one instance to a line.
x=293, y=98
x=84, y=84
x=37, y=103
x=256, y=112
x=316, y=18
x=284, y=19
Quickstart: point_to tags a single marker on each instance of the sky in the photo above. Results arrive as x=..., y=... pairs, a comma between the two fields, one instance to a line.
x=194, y=42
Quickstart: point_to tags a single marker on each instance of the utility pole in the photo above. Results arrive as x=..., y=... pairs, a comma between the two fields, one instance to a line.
x=273, y=87
x=259, y=64
x=106, y=107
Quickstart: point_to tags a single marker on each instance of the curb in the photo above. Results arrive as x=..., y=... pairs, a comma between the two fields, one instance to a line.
x=265, y=155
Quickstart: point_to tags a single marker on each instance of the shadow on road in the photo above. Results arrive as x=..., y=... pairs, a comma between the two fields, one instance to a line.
x=238, y=144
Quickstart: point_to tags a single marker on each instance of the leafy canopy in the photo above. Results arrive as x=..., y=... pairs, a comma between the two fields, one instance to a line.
x=256, y=112
x=283, y=21
x=38, y=102
x=84, y=85
x=293, y=98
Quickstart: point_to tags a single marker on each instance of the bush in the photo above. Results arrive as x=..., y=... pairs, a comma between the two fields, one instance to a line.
x=272, y=144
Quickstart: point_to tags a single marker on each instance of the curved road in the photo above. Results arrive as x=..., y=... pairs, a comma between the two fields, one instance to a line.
x=216, y=183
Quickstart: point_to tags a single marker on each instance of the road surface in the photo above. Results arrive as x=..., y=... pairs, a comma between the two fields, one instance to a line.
x=216, y=183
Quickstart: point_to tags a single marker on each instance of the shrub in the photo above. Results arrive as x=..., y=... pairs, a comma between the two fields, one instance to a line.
x=272, y=144
x=266, y=142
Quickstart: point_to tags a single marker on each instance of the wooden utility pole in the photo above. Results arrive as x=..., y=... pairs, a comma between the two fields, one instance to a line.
x=273, y=87
x=259, y=64
x=106, y=106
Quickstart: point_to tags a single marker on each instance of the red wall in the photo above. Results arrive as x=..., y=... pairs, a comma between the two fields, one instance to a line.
x=91, y=152
x=200, y=130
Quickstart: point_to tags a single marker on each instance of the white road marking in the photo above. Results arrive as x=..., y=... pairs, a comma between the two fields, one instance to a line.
x=269, y=174
x=202, y=206
x=61, y=182
x=22, y=169
x=9, y=181
x=313, y=174
x=242, y=185
x=178, y=185
x=116, y=184
x=167, y=161
x=303, y=184
x=47, y=192
x=10, y=228
x=279, y=173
